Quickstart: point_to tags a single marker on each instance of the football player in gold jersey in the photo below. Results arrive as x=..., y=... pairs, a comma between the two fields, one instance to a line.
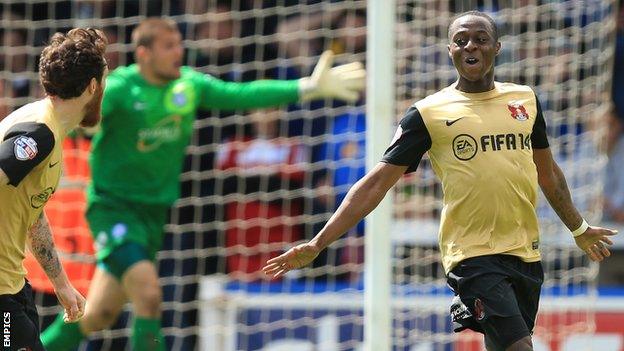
x=487, y=143
x=72, y=69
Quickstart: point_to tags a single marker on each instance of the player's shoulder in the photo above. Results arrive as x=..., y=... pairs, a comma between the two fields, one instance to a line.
x=124, y=72
x=439, y=98
x=34, y=112
x=508, y=87
x=187, y=72
x=32, y=119
x=122, y=76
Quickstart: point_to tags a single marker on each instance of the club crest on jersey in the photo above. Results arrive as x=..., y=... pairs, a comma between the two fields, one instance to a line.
x=179, y=99
x=517, y=111
x=25, y=148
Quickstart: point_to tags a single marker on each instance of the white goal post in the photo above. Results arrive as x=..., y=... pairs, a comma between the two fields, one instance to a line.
x=380, y=110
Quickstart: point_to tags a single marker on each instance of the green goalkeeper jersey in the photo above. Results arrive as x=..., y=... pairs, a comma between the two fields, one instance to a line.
x=137, y=154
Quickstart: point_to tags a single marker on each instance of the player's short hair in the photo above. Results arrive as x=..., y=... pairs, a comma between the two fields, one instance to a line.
x=71, y=60
x=145, y=33
x=478, y=14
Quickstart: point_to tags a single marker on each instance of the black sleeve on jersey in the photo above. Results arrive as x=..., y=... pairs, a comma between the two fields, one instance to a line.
x=539, y=140
x=411, y=145
x=15, y=160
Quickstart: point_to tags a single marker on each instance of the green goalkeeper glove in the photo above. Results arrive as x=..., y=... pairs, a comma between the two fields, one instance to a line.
x=342, y=82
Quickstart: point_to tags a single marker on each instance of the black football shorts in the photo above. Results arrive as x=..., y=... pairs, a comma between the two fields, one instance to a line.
x=497, y=295
x=20, y=321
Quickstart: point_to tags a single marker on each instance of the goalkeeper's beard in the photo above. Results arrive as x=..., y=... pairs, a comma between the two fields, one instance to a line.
x=93, y=109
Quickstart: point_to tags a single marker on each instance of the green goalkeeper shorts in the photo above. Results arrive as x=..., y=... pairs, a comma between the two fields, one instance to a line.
x=114, y=224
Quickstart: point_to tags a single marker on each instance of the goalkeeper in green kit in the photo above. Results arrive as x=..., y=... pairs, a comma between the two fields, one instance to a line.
x=147, y=121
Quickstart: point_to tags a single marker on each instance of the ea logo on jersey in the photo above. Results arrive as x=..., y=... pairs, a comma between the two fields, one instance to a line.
x=464, y=147
x=25, y=148
x=517, y=111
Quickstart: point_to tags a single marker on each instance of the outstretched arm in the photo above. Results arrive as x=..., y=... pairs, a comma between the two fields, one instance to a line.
x=555, y=188
x=362, y=198
x=42, y=247
x=342, y=82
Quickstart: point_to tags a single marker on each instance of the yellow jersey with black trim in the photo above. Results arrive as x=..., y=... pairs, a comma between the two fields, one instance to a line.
x=481, y=147
x=30, y=155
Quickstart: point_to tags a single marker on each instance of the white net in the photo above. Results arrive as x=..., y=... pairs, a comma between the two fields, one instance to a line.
x=254, y=182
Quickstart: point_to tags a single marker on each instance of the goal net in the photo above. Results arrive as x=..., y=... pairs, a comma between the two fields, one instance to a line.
x=255, y=182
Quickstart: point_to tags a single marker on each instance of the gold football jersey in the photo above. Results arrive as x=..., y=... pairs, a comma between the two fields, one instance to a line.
x=30, y=155
x=481, y=147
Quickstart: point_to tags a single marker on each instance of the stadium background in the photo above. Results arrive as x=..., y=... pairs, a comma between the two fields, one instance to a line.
x=256, y=181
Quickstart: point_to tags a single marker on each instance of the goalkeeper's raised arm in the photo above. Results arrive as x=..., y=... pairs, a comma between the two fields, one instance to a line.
x=344, y=82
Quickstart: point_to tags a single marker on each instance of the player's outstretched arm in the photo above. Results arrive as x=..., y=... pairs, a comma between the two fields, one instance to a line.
x=344, y=82
x=593, y=241
x=361, y=199
x=42, y=247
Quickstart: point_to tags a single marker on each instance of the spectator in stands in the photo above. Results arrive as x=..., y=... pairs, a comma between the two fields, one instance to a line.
x=219, y=36
x=345, y=151
x=351, y=33
x=88, y=9
x=299, y=40
x=268, y=170
x=4, y=103
x=15, y=58
x=217, y=33
x=614, y=184
x=113, y=55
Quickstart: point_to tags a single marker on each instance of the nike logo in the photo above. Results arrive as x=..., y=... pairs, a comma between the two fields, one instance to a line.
x=53, y=164
x=449, y=123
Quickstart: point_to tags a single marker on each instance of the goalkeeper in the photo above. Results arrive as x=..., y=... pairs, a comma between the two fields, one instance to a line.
x=147, y=120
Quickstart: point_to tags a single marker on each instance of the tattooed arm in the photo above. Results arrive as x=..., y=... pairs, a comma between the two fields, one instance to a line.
x=555, y=188
x=42, y=247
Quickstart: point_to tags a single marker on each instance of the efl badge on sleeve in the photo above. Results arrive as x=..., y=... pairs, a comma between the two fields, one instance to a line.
x=25, y=148
x=517, y=111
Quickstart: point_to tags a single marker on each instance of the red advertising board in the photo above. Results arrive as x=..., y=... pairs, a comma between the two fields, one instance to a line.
x=566, y=331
